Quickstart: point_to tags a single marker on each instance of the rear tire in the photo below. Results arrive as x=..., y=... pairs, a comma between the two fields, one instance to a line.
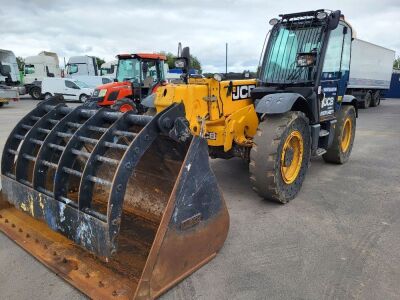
x=340, y=150
x=124, y=105
x=376, y=99
x=367, y=100
x=280, y=156
x=36, y=93
x=83, y=98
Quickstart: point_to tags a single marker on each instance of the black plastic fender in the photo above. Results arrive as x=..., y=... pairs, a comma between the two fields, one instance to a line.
x=277, y=103
x=350, y=100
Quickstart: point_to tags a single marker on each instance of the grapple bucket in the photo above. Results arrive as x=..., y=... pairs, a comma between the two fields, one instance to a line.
x=121, y=206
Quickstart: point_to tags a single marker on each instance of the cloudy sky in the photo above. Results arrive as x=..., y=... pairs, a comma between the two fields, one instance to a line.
x=105, y=28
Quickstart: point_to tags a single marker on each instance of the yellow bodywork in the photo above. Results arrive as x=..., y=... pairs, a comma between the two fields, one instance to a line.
x=221, y=111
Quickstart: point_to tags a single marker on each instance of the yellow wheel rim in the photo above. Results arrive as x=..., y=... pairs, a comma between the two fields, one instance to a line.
x=346, y=135
x=292, y=157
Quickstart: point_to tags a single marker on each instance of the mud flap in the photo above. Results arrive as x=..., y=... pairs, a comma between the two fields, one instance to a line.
x=120, y=205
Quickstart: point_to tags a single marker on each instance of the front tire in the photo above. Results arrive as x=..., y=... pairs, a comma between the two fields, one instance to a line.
x=280, y=156
x=340, y=150
x=124, y=105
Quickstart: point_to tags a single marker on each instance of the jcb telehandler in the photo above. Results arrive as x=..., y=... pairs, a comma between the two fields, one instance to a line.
x=297, y=107
x=125, y=206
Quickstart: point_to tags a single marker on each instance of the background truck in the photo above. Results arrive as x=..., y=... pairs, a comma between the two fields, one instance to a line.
x=371, y=71
x=9, y=74
x=8, y=93
x=38, y=67
x=109, y=69
x=81, y=65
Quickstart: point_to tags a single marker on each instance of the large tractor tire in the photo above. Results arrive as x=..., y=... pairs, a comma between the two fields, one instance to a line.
x=280, y=156
x=376, y=99
x=367, y=100
x=124, y=105
x=340, y=150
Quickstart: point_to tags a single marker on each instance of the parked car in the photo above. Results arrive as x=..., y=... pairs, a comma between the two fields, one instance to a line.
x=69, y=88
x=93, y=81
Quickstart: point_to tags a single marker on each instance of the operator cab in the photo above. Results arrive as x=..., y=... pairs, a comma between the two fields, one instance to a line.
x=138, y=75
x=143, y=71
x=308, y=54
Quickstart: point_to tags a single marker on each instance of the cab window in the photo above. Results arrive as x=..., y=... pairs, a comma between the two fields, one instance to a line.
x=333, y=56
x=29, y=69
x=72, y=69
x=71, y=85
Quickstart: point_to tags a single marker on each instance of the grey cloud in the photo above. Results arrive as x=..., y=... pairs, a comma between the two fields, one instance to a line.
x=106, y=28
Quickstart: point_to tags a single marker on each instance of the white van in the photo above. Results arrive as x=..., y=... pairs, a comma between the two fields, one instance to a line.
x=93, y=81
x=70, y=88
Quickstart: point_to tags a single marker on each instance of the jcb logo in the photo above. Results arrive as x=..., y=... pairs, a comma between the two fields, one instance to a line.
x=327, y=102
x=242, y=91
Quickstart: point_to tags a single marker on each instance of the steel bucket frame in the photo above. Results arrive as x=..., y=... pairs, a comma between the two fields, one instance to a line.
x=113, y=252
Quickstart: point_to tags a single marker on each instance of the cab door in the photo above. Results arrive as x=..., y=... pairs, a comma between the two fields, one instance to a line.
x=71, y=90
x=335, y=71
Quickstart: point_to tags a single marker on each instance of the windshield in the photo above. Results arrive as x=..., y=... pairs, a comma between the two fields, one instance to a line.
x=107, y=71
x=129, y=70
x=29, y=69
x=286, y=42
x=72, y=68
x=81, y=84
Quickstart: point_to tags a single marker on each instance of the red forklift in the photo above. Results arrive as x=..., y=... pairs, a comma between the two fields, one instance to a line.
x=138, y=75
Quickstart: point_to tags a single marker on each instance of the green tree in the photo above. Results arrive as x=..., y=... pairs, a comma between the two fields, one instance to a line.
x=99, y=62
x=20, y=62
x=396, y=63
x=194, y=61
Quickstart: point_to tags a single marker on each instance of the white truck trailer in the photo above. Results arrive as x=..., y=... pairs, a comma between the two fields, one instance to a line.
x=38, y=67
x=370, y=72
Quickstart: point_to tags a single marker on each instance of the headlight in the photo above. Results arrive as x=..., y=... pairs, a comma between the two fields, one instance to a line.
x=273, y=21
x=95, y=93
x=180, y=63
x=218, y=77
x=102, y=92
x=321, y=15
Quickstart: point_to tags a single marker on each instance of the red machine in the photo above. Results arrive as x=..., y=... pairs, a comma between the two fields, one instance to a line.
x=138, y=75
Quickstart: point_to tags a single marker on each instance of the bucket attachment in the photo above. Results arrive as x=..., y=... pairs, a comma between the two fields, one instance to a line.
x=120, y=205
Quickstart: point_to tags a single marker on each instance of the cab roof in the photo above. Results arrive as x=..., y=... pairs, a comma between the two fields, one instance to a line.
x=143, y=56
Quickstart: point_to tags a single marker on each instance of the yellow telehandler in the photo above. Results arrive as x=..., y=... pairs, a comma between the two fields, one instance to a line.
x=124, y=206
x=295, y=109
